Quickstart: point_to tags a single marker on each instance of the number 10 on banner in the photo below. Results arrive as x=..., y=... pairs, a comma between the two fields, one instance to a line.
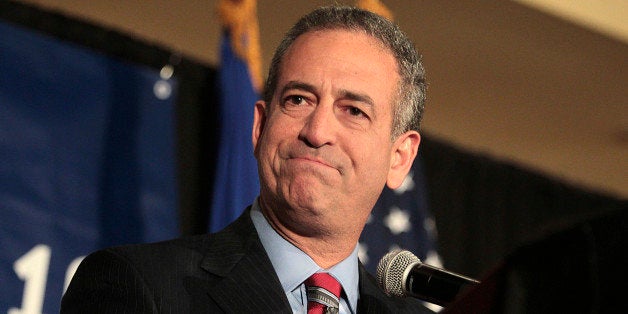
x=32, y=268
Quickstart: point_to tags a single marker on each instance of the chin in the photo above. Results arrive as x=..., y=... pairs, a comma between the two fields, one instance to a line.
x=313, y=204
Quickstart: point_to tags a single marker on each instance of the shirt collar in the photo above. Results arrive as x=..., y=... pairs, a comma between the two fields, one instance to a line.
x=293, y=266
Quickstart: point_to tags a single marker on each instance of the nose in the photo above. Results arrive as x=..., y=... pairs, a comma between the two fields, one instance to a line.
x=319, y=127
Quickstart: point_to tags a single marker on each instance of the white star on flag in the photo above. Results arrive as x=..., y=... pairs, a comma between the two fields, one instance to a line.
x=407, y=184
x=362, y=253
x=394, y=247
x=368, y=220
x=397, y=221
x=430, y=227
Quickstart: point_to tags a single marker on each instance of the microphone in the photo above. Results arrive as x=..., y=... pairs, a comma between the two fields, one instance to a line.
x=400, y=273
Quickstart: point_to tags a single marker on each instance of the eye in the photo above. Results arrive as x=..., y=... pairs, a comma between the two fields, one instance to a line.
x=355, y=112
x=294, y=100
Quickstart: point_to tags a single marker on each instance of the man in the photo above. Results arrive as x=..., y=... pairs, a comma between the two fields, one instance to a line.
x=339, y=120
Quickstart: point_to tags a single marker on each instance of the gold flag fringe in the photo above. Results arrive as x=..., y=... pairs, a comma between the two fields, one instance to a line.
x=376, y=7
x=239, y=17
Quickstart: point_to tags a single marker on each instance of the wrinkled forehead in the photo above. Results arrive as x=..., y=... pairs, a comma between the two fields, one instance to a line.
x=324, y=47
x=334, y=34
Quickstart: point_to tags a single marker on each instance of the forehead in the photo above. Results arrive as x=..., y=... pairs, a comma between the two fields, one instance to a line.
x=342, y=58
x=352, y=40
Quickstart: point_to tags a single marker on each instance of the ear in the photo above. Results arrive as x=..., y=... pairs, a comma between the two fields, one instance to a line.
x=259, y=121
x=402, y=156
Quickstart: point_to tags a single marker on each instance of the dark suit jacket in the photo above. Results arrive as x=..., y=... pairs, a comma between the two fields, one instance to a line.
x=226, y=272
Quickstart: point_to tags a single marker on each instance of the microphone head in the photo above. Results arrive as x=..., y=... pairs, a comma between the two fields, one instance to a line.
x=393, y=270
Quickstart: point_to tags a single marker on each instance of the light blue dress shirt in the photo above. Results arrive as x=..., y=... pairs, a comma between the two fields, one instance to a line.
x=293, y=267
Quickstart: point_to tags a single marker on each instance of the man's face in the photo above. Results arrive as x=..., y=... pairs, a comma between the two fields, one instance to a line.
x=324, y=145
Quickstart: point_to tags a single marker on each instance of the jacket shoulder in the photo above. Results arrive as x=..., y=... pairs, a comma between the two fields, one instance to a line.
x=374, y=300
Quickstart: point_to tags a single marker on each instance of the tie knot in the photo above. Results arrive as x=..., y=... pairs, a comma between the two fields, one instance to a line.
x=325, y=281
x=323, y=291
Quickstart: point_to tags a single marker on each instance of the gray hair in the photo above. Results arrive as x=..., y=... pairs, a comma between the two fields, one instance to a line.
x=410, y=101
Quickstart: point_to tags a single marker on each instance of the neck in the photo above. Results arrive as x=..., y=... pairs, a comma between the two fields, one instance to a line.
x=326, y=247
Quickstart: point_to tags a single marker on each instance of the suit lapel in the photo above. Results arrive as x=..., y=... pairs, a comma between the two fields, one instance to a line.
x=241, y=278
x=245, y=279
x=371, y=297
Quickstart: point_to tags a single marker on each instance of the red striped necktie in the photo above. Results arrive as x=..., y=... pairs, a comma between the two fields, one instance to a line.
x=323, y=293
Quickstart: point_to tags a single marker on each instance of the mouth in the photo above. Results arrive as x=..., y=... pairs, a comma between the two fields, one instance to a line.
x=313, y=160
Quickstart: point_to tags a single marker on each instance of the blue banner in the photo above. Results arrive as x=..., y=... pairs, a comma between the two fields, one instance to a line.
x=87, y=150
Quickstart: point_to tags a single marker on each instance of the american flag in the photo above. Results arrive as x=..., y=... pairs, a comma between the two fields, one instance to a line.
x=401, y=220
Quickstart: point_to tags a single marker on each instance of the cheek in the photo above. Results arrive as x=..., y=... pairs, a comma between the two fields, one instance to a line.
x=270, y=144
x=372, y=160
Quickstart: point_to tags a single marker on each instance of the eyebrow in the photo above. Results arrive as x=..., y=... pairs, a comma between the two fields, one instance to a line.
x=299, y=86
x=346, y=94
x=360, y=97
